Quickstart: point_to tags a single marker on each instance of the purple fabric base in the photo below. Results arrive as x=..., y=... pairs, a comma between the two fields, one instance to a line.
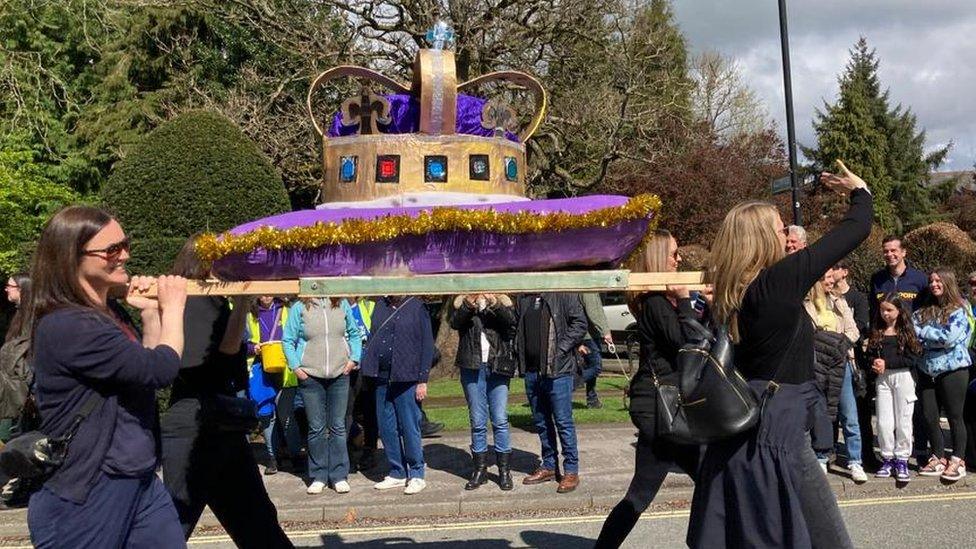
x=442, y=252
x=405, y=118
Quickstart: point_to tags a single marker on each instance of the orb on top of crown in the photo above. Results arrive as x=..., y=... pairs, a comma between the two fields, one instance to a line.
x=433, y=135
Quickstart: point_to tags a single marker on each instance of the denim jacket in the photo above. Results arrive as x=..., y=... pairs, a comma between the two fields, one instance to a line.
x=944, y=345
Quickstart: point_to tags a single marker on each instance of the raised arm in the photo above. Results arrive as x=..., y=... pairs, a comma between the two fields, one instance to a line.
x=795, y=274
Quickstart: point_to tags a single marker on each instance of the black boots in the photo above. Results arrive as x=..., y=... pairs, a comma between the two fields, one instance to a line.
x=504, y=472
x=480, y=474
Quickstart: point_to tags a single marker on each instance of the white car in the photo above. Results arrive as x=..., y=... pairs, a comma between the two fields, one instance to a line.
x=623, y=325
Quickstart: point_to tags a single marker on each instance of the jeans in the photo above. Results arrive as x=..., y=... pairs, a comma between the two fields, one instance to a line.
x=269, y=429
x=325, y=407
x=487, y=394
x=398, y=415
x=551, y=400
x=289, y=399
x=847, y=417
x=593, y=365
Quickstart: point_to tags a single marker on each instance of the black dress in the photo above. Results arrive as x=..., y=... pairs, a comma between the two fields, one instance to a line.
x=202, y=463
x=762, y=488
x=663, y=329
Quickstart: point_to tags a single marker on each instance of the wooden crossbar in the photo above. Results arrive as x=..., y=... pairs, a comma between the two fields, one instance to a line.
x=444, y=284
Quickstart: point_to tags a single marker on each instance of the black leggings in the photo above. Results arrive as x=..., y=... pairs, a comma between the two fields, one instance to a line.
x=949, y=391
x=655, y=457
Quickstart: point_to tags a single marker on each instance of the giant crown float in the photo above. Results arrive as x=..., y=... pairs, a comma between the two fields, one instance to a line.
x=429, y=179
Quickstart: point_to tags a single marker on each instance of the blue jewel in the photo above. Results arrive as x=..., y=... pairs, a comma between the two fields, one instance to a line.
x=347, y=169
x=511, y=169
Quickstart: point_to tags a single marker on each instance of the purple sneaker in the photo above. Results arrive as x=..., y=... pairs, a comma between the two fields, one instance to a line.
x=885, y=471
x=901, y=471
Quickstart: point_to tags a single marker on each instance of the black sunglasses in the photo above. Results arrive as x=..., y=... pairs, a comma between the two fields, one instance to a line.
x=114, y=250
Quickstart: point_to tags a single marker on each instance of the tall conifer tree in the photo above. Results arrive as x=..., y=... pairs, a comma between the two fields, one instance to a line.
x=879, y=142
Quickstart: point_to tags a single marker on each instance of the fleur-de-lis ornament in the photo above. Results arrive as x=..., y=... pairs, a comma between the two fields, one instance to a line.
x=367, y=110
x=498, y=116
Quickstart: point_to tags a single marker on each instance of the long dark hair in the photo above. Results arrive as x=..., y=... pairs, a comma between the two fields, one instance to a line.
x=54, y=267
x=939, y=308
x=904, y=328
x=22, y=318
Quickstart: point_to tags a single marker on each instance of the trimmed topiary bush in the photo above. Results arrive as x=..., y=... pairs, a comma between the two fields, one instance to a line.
x=197, y=172
x=942, y=244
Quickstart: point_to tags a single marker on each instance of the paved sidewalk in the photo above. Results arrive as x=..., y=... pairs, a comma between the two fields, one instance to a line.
x=606, y=466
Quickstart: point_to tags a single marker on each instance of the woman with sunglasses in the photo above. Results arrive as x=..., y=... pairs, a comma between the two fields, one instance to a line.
x=15, y=371
x=665, y=323
x=95, y=380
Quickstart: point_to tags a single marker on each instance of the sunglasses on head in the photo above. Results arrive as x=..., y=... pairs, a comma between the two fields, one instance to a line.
x=114, y=250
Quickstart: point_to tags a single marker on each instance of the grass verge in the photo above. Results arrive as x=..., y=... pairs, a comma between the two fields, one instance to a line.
x=445, y=403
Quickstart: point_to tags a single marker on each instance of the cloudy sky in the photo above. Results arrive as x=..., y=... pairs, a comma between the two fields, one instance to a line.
x=927, y=50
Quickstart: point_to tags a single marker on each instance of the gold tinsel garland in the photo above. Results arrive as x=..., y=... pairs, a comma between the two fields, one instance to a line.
x=212, y=247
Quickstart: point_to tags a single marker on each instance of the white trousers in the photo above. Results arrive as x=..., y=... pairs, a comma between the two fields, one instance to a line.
x=895, y=403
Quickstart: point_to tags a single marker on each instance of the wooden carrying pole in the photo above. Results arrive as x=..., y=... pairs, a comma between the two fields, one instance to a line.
x=443, y=284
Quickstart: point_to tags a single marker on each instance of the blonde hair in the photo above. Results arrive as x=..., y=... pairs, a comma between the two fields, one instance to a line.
x=939, y=308
x=652, y=259
x=745, y=244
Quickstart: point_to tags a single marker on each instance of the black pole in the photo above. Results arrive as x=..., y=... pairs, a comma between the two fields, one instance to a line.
x=784, y=37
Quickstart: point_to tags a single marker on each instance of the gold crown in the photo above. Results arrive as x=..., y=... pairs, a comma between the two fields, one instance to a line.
x=429, y=136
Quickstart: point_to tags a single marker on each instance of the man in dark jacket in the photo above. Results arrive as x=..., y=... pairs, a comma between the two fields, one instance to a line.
x=897, y=276
x=550, y=329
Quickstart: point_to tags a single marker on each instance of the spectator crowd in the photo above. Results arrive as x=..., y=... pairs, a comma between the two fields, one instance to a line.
x=325, y=379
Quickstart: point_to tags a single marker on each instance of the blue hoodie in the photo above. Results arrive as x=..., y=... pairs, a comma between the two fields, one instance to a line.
x=945, y=346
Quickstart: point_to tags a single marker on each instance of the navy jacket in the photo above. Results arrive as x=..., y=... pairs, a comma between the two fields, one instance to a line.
x=78, y=351
x=408, y=333
x=911, y=285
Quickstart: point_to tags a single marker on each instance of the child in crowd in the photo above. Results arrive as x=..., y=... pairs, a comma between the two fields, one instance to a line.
x=894, y=353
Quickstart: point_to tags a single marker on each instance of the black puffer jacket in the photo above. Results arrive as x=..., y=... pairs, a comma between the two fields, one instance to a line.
x=830, y=359
x=497, y=323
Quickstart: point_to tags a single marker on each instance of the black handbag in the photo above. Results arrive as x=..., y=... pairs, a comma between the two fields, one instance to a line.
x=709, y=399
x=35, y=456
x=228, y=414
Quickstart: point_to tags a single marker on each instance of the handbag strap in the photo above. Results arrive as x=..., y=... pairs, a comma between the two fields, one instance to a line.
x=395, y=312
x=93, y=401
x=773, y=384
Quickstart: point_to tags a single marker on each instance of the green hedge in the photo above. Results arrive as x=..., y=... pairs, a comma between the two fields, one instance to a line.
x=197, y=172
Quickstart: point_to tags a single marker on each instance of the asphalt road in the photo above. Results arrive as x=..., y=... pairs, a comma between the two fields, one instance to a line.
x=943, y=520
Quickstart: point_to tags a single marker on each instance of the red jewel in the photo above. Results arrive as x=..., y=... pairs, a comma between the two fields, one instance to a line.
x=387, y=168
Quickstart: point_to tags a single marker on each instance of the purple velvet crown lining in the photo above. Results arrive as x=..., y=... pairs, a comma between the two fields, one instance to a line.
x=405, y=118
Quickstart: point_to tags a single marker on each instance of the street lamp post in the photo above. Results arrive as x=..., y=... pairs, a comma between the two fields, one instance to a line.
x=784, y=37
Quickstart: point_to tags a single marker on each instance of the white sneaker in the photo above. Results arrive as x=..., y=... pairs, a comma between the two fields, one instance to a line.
x=342, y=487
x=857, y=473
x=315, y=488
x=390, y=482
x=415, y=486
x=823, y=465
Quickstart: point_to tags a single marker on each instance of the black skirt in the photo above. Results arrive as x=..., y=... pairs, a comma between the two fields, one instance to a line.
x=747, y=493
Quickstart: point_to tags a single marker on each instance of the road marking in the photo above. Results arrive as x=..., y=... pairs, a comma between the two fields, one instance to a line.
x=413, y=528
